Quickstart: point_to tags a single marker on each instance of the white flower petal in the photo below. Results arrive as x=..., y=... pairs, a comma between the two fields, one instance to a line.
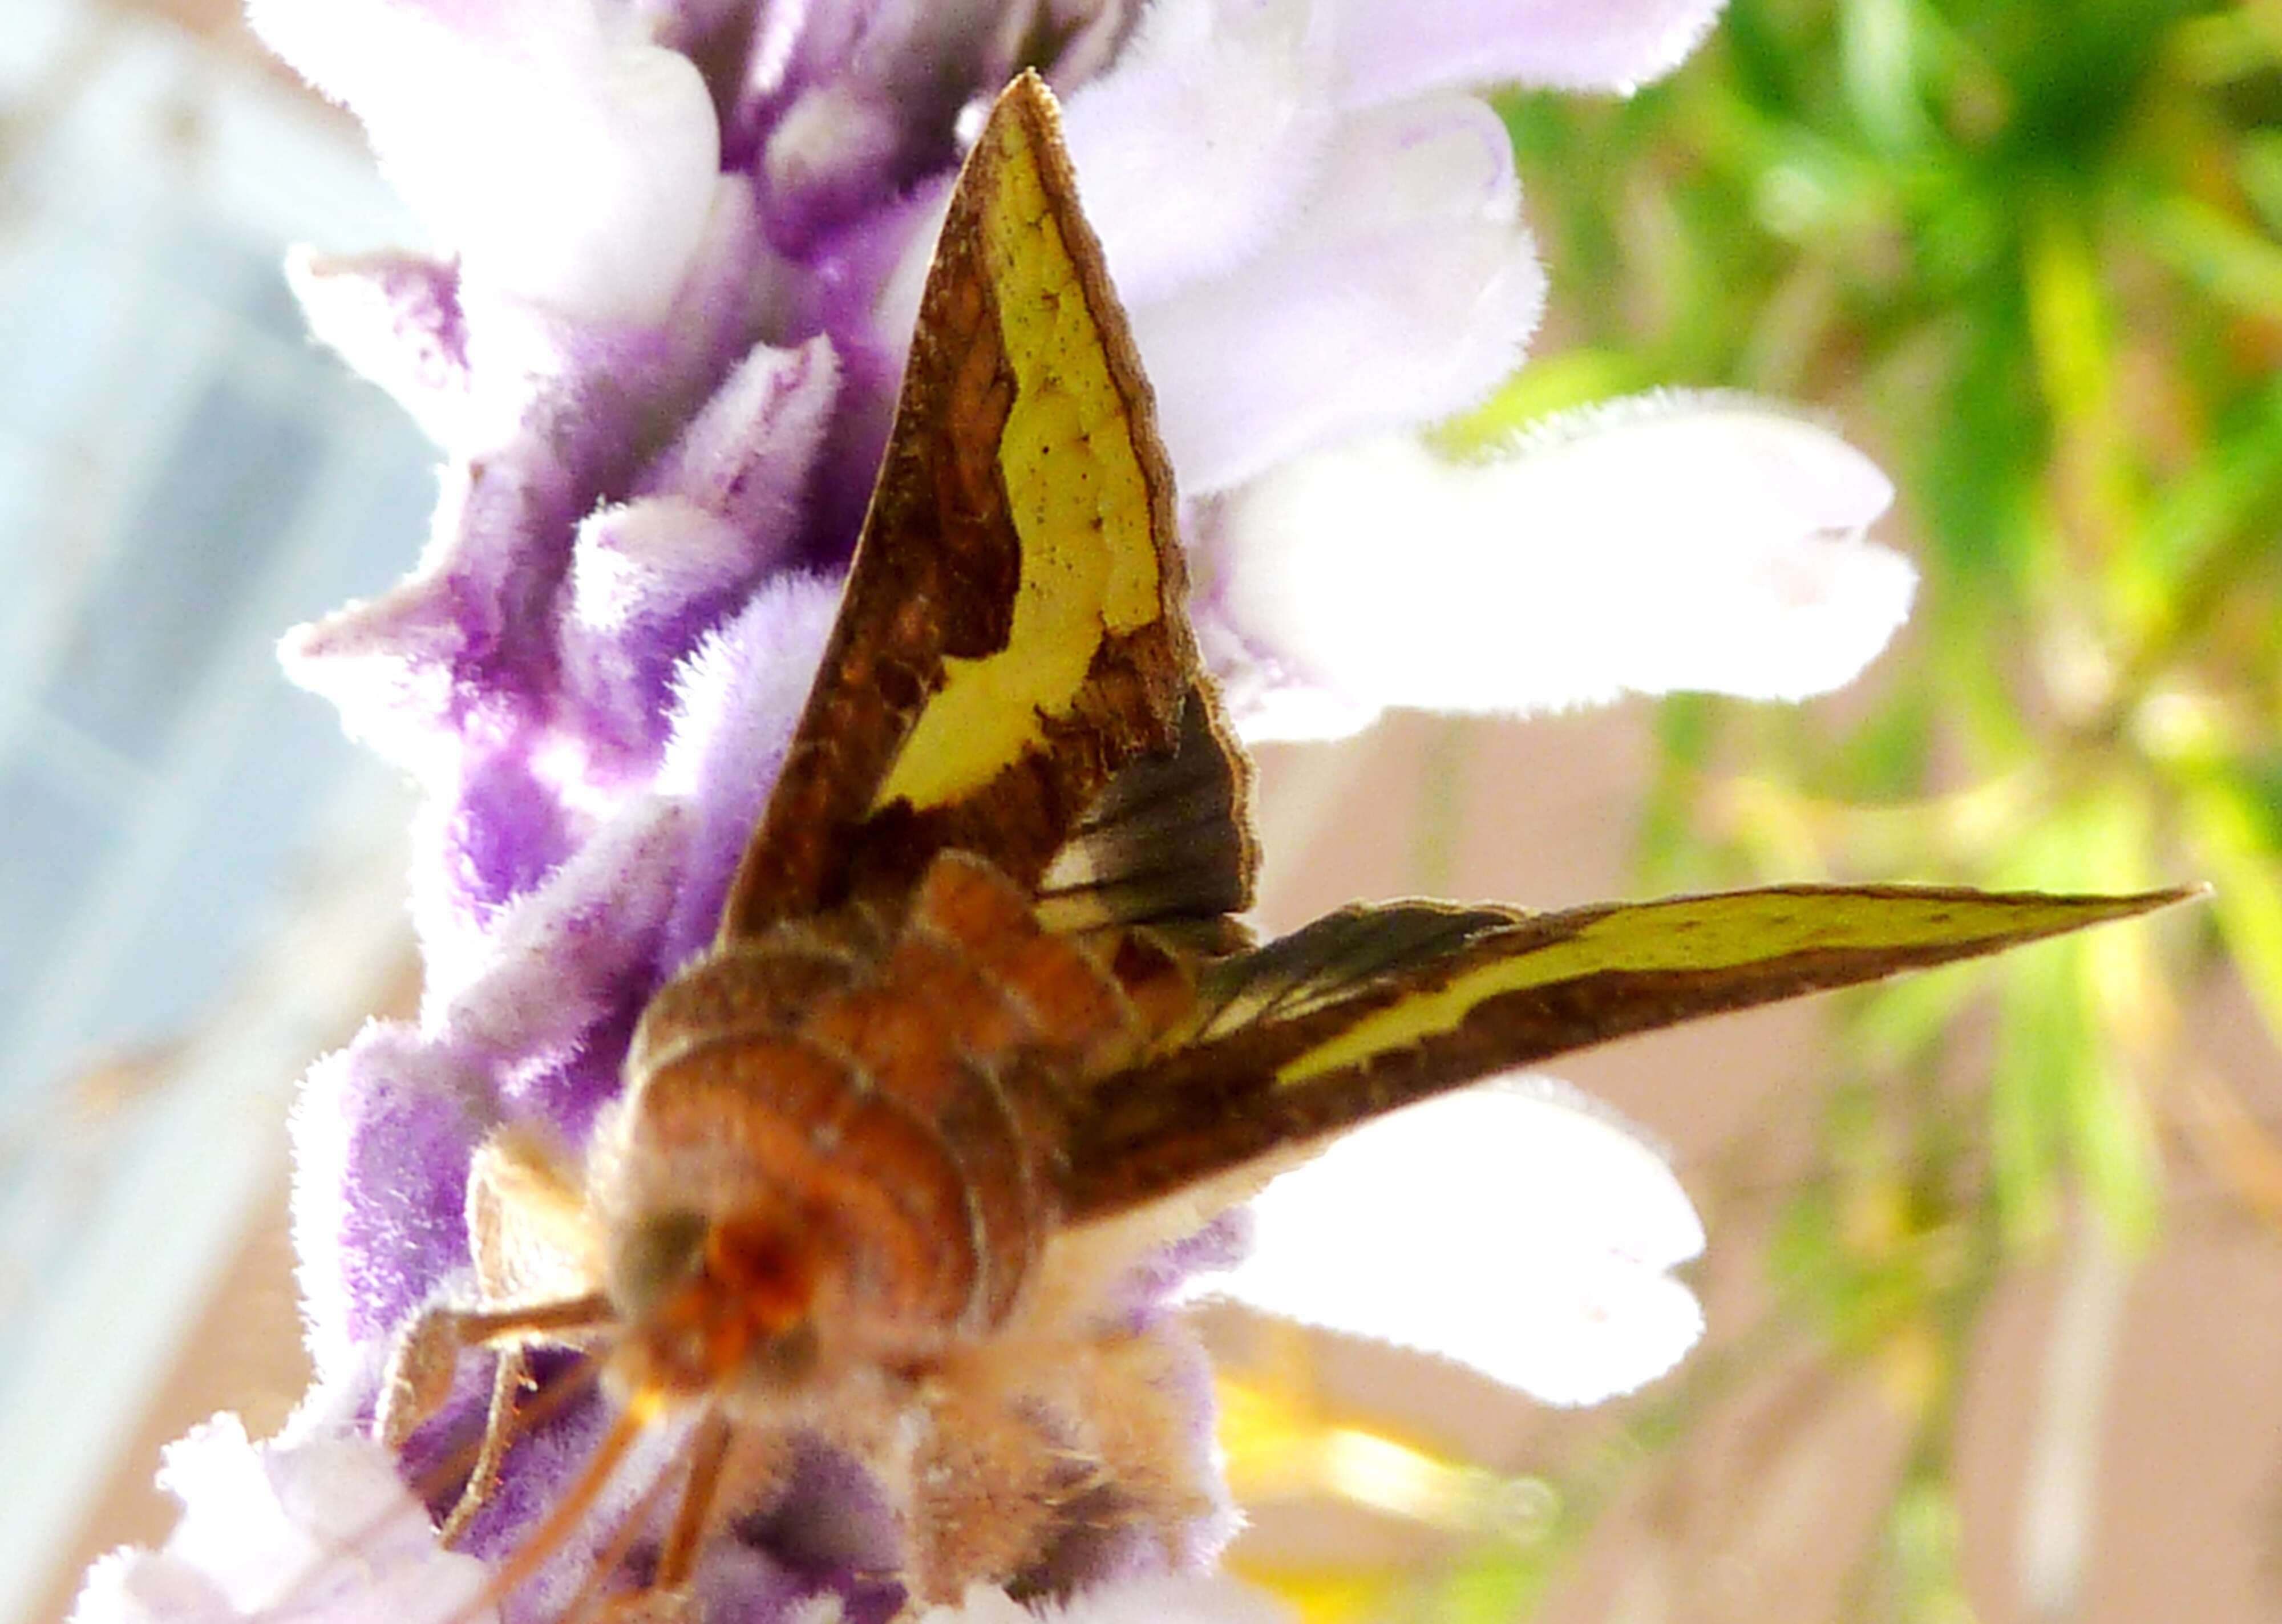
x=747, y=454
x=1153, y=1599
x=1403, y=291
x=320, y=1529
x=1678, y=543
x=394, y=319
x=561, y=155
x=831, y=135
x=1200, y=142
x=741, y=689
x=1392, y=48
x=544, y=970
x=1267, y=701
x=129, y=1586
x=895, y=308
x=1519, y=1230
x=644, y=560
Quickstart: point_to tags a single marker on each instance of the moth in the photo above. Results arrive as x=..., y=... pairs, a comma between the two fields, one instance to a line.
x=981, y=1025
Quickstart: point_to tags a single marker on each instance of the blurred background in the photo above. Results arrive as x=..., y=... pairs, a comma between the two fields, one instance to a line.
x=200, y=883
x=1995, y=1283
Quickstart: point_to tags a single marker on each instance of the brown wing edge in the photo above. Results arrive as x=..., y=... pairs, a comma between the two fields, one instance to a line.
x=1208, y=1109
x=925, y=584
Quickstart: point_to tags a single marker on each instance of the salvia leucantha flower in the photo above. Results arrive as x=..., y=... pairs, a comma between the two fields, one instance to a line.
x=680, y=243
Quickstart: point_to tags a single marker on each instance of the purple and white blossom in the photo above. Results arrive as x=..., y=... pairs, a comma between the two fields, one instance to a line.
x=313, y=1525
x=679, y=245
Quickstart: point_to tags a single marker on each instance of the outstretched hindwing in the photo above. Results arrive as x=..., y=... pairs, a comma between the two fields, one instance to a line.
x=1371, y=1008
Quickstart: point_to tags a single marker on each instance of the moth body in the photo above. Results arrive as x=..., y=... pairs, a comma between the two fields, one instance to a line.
x=841, y=1144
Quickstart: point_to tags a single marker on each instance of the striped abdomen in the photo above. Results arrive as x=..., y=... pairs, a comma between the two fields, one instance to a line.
x=859, y=1139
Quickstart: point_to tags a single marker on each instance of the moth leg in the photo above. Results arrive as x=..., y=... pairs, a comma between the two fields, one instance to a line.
x=536, y=1279
x=666, y=1597
x=509, y=1375
x=424, y=1358
x=653, y=1603
x=709, y=1453
x=418, y=1376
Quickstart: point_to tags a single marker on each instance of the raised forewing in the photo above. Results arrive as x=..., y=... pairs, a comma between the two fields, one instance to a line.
x=1012, y=633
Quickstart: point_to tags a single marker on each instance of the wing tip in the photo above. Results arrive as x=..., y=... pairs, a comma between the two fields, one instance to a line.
x=1028, y=96
x=2131, y=905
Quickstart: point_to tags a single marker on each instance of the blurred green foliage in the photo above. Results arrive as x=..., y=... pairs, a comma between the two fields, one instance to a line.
x=2029, y=253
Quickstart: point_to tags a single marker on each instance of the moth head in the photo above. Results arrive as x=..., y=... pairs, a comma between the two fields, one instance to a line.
x=714, y=1302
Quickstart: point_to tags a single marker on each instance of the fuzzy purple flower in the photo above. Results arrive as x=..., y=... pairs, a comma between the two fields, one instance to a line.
x=683, y=244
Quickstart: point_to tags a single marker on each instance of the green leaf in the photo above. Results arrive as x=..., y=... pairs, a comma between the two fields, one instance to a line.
x=2232, y=484
x=2025, y=1104
x=1878, y=53
x=2232, y=838
x=1884, y=758
x=1556, y=383
x=1927, y=1538
x=1903, y=1025
x=2261, y=160
x=2063, y=1099
x=1493, y=1591
x=2217, y=252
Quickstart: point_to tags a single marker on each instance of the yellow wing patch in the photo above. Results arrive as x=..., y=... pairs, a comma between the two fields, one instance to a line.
x=1077, y=492
x=1708, y=934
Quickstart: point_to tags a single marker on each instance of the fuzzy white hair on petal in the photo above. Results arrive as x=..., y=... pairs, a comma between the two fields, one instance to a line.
x=829, y=133
x=647, y=558
x=385, y=316
x=1520, y=1229
x=742, y=688
x=1672, y=543
x=1403, y=291
x=1195, y=149
x=563, y=157
x=557, y=954
x=1395, y=48
x=319, y=1529
x=748, y=452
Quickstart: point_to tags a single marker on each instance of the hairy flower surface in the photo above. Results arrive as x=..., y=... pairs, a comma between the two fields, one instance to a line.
x=680, y=250
x=313, y=1525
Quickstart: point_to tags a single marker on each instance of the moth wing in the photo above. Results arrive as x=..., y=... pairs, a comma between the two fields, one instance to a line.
x=1493, y=992
x=1344, y=954
x=1012, y=633
x=1169, y=842
x=1520, y=1229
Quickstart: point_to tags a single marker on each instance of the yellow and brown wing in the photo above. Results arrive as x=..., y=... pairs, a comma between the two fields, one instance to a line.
x=1371, y=1008
x=1012, y=635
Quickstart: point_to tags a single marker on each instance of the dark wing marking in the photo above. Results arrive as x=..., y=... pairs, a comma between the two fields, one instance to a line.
x=1337, y=956
x=1169, y=843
